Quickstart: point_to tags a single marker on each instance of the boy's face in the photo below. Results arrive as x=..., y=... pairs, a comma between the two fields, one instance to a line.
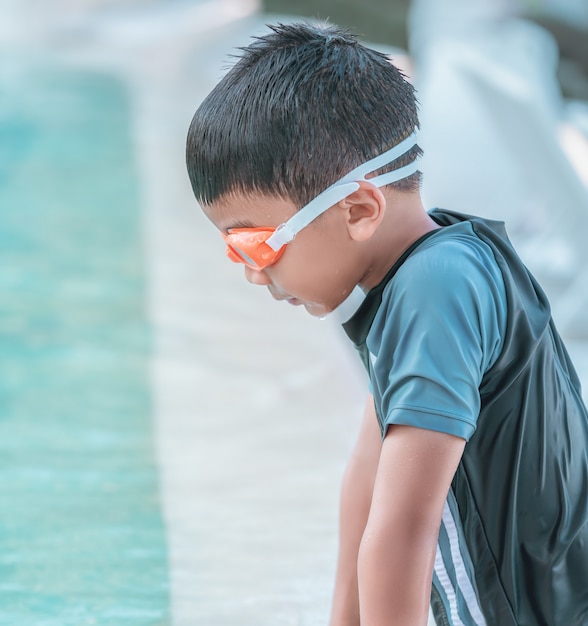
x=317, y=270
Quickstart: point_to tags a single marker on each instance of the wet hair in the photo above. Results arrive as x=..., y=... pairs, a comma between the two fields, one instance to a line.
x=302, y=106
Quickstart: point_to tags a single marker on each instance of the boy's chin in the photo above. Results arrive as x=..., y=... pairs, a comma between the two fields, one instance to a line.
x=317, y=310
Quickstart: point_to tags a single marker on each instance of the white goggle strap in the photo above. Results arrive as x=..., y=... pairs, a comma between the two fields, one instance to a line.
x=287, y=231
x=343, y=188
x=395, y=175
x=360, y=172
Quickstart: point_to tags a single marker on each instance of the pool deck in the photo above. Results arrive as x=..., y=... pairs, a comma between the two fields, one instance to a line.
x=256, y=403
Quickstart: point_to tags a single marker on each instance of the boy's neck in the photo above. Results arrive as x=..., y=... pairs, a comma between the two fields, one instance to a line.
x=406, y=221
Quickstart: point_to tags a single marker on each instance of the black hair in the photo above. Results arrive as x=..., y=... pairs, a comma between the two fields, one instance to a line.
x=302, y=106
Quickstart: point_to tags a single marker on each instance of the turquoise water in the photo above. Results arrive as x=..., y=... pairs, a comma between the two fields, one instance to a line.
x=81, y=533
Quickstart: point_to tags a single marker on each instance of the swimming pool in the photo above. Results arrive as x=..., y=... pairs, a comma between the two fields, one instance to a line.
x=81, y=533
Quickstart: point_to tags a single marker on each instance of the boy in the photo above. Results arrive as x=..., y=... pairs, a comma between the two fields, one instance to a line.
x=468, y=485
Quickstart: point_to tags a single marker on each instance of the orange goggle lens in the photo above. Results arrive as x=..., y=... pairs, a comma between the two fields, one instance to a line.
x=248, y=246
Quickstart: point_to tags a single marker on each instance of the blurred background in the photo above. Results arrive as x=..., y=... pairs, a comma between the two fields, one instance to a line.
x=171, y=439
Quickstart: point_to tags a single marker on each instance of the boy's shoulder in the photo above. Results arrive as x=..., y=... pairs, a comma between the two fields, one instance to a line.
x=452, y=254
x=446, y=266
x=451, y=273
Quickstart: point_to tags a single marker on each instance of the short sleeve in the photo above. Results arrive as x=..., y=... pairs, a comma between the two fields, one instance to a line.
x=438, y=330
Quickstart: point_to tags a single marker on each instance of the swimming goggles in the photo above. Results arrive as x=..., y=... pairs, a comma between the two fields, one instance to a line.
x=261, y=247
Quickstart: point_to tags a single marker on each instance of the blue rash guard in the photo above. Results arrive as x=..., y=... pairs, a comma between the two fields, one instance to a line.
x=438, y=329
x=458, y=338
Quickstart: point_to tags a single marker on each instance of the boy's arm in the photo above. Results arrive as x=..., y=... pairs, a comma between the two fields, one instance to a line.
x=356, y=496
x=397, y=550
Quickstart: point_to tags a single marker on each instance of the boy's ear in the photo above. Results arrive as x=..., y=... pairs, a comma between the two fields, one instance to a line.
x=364, y=211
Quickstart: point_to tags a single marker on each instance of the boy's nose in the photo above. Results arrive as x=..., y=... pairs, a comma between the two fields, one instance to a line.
x=256, y=277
